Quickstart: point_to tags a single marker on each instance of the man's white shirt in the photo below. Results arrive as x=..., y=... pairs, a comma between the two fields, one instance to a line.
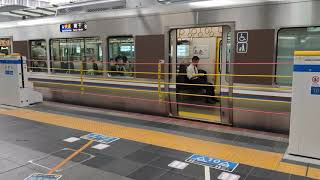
x=192, y=71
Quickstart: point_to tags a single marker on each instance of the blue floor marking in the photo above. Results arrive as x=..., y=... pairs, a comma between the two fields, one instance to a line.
x=212, y=162
x=100, y=138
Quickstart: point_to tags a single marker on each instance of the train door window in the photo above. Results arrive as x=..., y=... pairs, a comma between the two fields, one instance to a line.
x=5, y=46
x=75, y=50
x=38, y=55
x=55, y=55
x=121, y=55
x=290, y=40
x=93, y=56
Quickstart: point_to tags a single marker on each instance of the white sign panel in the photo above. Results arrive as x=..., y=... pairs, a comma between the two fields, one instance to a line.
x=202, y=51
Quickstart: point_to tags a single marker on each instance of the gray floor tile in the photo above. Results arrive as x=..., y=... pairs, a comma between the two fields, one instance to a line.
x=174, y=176
x=244, y=139
x=151, y=148
x=122, y=167
x=6, y=147
x=259, y=172
x=295, y=177
x=45, y=147
x=82, y=172
x=256, y=178
x=279, y=175
x=17, y=174
x=121, y=148
x=214, y=174
x=142, y=157
x=147, y=173
x=185, y=129
x=192, y=170
x=22, y=155
x=162, y=162
x=178, y=155
x=6, y=165
x=243, y=169
x=265, y=142
x=226, y=136
x=208, y=133
x=263, y=173
x=99, y=161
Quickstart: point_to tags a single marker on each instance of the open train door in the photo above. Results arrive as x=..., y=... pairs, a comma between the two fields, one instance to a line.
x=213, y=45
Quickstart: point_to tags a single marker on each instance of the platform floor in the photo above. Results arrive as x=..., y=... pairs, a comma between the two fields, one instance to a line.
x=32, y=141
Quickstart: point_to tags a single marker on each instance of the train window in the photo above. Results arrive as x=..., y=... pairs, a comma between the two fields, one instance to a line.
x=73, y=54
x=38, y=55
x=121, y=54
x=290, y=40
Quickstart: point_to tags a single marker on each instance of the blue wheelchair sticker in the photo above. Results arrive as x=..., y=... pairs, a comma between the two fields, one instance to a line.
x=100, y=138
x=39, y=176
x=212, y=162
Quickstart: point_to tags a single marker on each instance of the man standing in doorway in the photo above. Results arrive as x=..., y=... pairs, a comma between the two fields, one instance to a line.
x=200, y=78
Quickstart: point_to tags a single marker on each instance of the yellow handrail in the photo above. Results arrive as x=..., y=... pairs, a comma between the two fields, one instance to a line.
x=152, y=91
x=169, y=83
x=96, y=87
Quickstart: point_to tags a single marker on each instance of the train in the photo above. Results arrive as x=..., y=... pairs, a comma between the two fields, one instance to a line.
x=247, y=51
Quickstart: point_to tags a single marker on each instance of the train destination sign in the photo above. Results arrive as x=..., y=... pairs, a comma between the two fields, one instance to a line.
x=73, y=27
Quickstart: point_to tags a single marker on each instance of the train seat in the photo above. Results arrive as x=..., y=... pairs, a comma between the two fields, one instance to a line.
x=182, y=81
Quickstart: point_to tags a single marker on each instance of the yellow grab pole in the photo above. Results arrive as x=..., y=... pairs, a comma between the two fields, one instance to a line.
x=81, y=77
x=159, y=80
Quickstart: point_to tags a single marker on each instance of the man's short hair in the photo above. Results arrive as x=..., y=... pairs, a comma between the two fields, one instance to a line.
x=195, y=58
x=118, y=58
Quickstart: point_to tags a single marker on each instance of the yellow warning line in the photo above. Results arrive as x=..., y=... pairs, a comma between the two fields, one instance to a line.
x=65, y=161
x=251, y=157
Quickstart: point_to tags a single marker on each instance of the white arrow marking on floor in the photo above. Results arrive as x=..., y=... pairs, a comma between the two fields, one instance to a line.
x=207, y=173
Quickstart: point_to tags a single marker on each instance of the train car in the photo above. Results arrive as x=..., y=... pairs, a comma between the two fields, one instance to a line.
x=246, y=51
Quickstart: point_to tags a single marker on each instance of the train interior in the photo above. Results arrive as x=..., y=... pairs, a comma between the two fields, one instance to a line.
x=192, y=99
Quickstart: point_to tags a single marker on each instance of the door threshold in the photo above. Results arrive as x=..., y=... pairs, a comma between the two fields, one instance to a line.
x=201, y=117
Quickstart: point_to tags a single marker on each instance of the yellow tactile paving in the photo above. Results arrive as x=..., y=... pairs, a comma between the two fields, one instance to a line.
x=252, y=157
x=314, y=173
x=292, y=169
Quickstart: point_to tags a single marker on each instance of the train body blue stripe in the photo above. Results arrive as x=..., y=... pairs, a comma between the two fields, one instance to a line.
x=306, y=68
x=10, y=61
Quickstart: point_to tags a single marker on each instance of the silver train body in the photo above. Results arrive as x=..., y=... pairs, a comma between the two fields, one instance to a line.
x=256, y=19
